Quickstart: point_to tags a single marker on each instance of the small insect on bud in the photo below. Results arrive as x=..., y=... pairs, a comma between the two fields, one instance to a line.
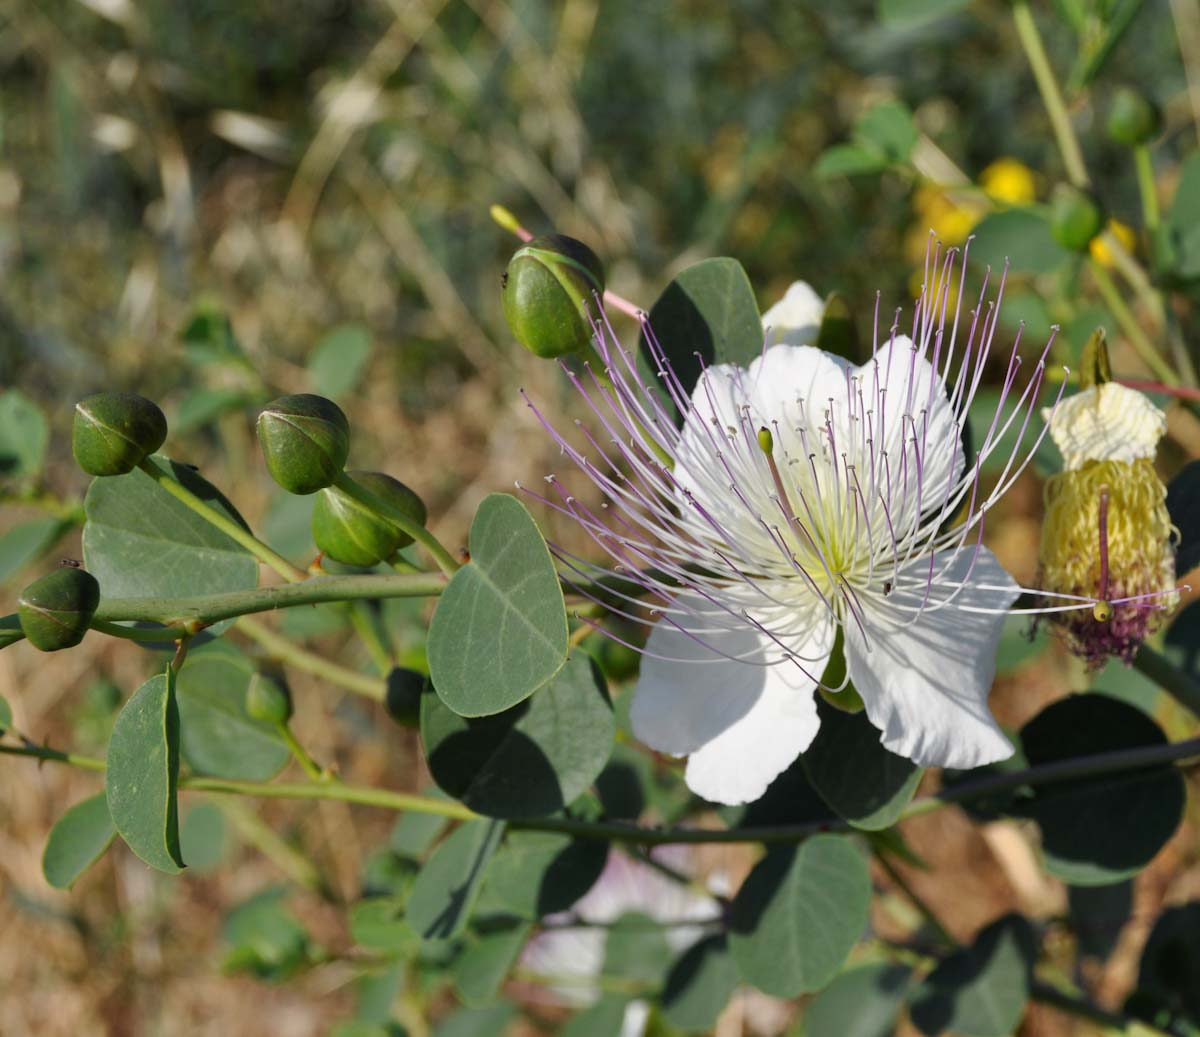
x=349, y=532
x=268, y=700
x=114, y=432
x=1075, y=217
x=56, y=610
x=1133, y=119
x=305, y=440
x=550, y=292
x=403, y=699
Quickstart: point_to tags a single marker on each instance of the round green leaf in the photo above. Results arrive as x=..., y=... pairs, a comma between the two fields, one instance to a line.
x=449, y=882
x=602, y=1019
x=414, y=833
x=491, y=1021
x=139, y=541
x=500, y=629
x=708, y=309
x=980, y=991
x=27, y=542
x=864, y=1002
x=217, y=737
x=699, y=985
x=530, y=760
x=851, y=770
x=540, y=873
x=379, y=923
x=202, y=837
x=78, y=839
x=487, y=959
x=1107, y=827
x=798, y=914
x=142, y=771
x=636, y=948
x=1022, y=238
x=336, y=363
x=23, y=435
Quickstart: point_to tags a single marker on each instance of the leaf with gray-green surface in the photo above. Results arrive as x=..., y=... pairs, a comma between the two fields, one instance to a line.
x=540, y=873
x=489, y=955
x=139, y=541
x=217, y=736
x=1020, y=237
x=500, y=629
x=142, y=772
x=863, y=1002
x=605, y=1018
x=798, y=914
x=491, y=1021
x=449, y=882
x=530, y=760
x=26, y=542
x=699, y=985
x=337, y=361
x=982, y=990
x=23, y=435
x=78, y=839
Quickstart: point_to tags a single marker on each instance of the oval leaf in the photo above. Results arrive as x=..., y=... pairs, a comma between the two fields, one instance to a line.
x=481, y=968
x=852, y=771
x=500, y=629
x=1020, y=237
x=708, y=309
x=1104, y=828
x=217, y=737
x=530, y=760
x=78, y=839
x=798, y=914
x=139, y=541
x=449, y=882
x=143, y=768
x=541, y=873
x=699, y=985
x=865, y=1002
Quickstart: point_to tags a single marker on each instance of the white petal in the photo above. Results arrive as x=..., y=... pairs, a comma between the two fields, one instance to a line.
x=741, y=721
x=796, y=318
x=908, y=402
x=1112, y=423
x=926, y=685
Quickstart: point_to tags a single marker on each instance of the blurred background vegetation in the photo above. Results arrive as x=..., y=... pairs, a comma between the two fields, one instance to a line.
x=211, y=201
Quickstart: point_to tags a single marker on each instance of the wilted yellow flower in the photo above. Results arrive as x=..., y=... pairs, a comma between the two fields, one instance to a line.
x=1009, y=181
x=1124, y=233
x=1107, y=536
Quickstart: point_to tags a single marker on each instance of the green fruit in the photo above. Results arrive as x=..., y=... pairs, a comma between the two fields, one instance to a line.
x=350, y=532
x=56, y=610
x=114, y=432
x=305, y=440
x=1133, y=120
x=268, y=700
x=550, y=293
x=403, y=699
x=1075, y=217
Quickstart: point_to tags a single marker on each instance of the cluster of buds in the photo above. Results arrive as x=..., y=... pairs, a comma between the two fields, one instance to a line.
x=1107, y=535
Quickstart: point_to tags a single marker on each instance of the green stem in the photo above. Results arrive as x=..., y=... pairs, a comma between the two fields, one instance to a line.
x=282, y=650
x=1181, y=686
x=263, y=838
x=445, y=560
x=364, y=626
x=1129, y=324
x=931, y=918
x=44, y=752
x=1052, y=98
x=232, y=529
x=156, y=634
x=206, y=609
x=1146, y=186
x=302, y=756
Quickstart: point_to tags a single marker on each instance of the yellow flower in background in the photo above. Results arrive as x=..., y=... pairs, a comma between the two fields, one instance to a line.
x=1124, y=233
x=1009, y=181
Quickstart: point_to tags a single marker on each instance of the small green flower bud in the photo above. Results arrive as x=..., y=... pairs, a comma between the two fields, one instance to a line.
x=115, y=431
x=56, y=610
x=403, y=699
x=350, y=532
x=1133, y=119
x=847, y=698
x=1075, y=217
x=305, y=440
x=549, y=292
x=268, y=700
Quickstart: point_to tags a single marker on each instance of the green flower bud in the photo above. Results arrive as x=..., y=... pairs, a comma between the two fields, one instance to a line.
x=403, y=699
x=1075, y=217
x=1133, y=119
x=549, y=292
x=350, y=532
x=56, y=610
x=847, y=699
x=305, y=440
x=268, y=700
x=115, y=431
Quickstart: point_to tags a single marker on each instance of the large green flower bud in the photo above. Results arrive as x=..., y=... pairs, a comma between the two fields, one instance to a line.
x=550, y=294
x=305, y=440
x=1075, y=217
x=268, y=700
x=350, y=532
x=115, y=431
x=56, y=610
x=1133, y=119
